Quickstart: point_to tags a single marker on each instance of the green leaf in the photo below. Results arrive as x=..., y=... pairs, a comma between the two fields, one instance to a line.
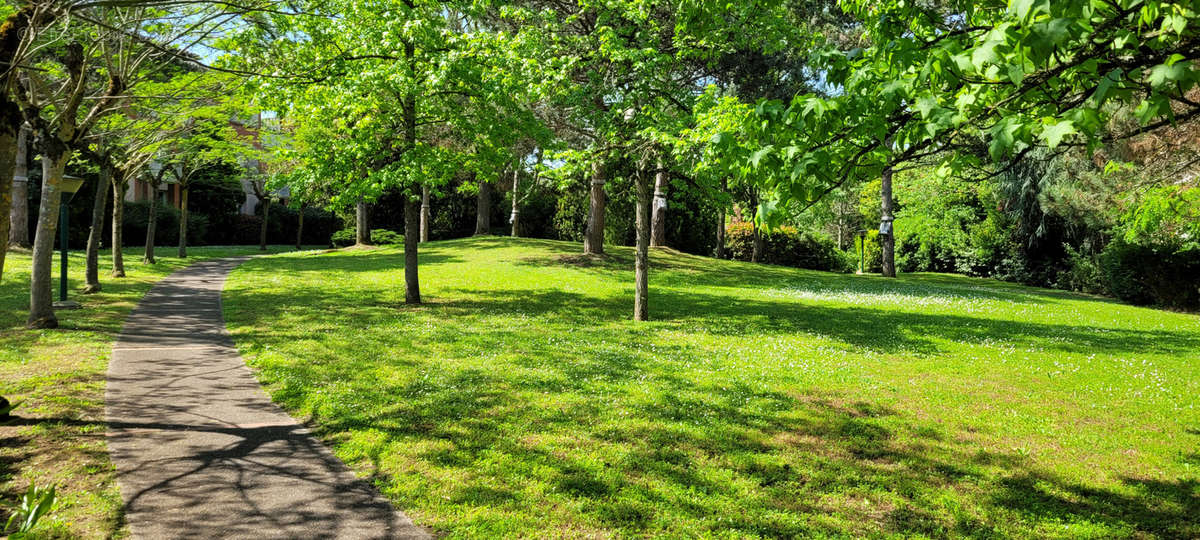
x=1054, y=132
x=757, y=157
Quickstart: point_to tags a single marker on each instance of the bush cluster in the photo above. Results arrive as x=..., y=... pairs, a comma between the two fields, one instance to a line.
x=787, y=246
x=1151, y=274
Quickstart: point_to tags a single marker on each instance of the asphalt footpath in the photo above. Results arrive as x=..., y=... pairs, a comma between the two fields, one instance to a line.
x=199, y=448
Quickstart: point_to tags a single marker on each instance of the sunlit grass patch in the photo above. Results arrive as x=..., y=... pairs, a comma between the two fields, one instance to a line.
x=760, y=402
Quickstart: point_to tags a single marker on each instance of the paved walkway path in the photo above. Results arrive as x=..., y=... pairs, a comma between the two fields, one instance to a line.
x=200, y=450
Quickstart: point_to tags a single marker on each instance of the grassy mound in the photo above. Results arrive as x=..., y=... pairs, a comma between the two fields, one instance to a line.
x=760, y=402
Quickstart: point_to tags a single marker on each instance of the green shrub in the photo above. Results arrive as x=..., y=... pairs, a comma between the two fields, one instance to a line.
x=788, y=247
x=1152, y=274
x=343, y=238
x=384, y=237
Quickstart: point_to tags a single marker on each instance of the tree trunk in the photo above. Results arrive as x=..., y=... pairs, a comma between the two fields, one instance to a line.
x=721, y=235
x=262, y=234
x=362, y=236
x=641, y=265
x=515, y=218
x=412, y=208
x=151, y=224
x=483, y=208
x=41, y=297
x=10, y=148
x=183, y=221
x=424, y=213
x=18, y=214
x=757, y=249
x=96, y=230
x=118, y=226
x=412, y=224
x=887, y=237
x=593, y=237
x=658, y=223
x=300, y=227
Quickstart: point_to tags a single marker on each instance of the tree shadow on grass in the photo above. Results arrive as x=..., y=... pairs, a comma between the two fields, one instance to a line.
x=683, y=269
x=766, y=462
x=875, y=329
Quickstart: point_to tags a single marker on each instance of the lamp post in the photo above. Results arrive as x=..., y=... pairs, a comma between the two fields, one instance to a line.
x=68, y=187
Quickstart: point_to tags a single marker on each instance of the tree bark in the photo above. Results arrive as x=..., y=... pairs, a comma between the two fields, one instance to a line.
x=721, y=235
x=183, y=221
x=300, y=227
x=10, y=144
x=412, y=224
x=757, y=249
x=362, y=236
x=887, y=237
x=658, y=223
x=118, y=225
x=95, y=231
x=412, y=209
x=262, y=234
x=151, y=225
x=483, y=208
x=641, y=265
x=515, y=218
x=593, y=237
x=18, y=213
x=41, y=299
x=424, y=213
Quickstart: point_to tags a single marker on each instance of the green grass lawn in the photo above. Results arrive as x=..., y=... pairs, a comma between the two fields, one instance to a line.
x=762, y=401
x=59, y=376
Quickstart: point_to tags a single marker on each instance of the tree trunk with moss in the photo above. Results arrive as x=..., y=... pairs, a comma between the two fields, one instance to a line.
x=99, y=203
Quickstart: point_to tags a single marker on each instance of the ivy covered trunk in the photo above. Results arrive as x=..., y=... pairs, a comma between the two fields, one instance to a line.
x=183, y=221
x=262, y=233
x=41, y=297
x=483, y=208
x=641, y=264
x=362, y=236
x=151, y=226
x=95, y=231
x=424, y=213
x=118, y=218
x=593, y=236
x=658, y=221
x=887, y=237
